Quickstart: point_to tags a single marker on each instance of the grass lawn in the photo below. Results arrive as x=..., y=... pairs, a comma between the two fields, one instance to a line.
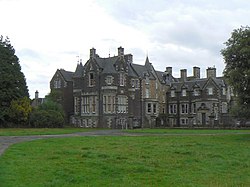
x=39, y=131
x=189, y=131
x=221, y=160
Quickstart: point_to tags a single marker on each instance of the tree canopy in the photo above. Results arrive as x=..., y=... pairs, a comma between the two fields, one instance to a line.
x=237, y=71
x=12, y=80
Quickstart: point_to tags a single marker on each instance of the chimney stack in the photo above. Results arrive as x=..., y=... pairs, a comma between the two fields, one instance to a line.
x=184, y=74
x=196, y=72
x=130, y=58
x=36, y=95
x=120, y=51
x=92, y=53
x=169, y=70
x=211, y=72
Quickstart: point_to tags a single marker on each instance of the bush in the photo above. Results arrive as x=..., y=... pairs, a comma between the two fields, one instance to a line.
x=46, y=119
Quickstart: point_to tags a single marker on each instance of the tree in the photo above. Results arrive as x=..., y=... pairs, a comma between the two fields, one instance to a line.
x=20, y=110
x=12, y=81
x=237, y=71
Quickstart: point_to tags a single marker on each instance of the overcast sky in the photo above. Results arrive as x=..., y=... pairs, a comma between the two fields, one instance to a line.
x=50, y=34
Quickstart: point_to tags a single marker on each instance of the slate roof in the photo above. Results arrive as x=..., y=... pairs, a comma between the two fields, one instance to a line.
x=141, y=70
x=79, y=71
x=108, y=65
x=67, y=75
x=197, y=82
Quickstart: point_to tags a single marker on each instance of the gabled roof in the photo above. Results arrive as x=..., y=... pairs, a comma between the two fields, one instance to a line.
x=108, y=65
x=201, y=83
x=141, y=70
x=67, y=75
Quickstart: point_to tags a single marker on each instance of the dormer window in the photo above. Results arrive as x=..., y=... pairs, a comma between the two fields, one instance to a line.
x=91, y=79
x=184, y=93
x=210, y=91
x=172, y=93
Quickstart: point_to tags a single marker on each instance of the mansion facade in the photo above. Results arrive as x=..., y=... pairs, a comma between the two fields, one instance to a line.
x=114, y=92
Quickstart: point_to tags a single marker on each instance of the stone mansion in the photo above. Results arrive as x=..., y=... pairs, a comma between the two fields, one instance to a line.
x=115, y=92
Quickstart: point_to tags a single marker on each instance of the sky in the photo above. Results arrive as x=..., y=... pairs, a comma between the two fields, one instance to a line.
x=50, y=34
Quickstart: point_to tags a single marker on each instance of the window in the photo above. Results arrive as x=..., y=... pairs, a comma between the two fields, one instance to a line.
x=113, y=104
x=109, y=103
x=77, y=105
x=216, y=113
x=184, y=121
x=154, y=108
x=172, y=109
x=91, y=79
x=149, y=107
x=184, y=108
x=194, y=108
x=57, y=83
x=147, y=93
x=104, y=103
x=122, y=104
x=210, y=91
x=224, y=107
x=137, y=83
x=122, y=79
x=184, y=92
x=93, y=104
x=85, y=104
x=172, y=93
x=147, y=80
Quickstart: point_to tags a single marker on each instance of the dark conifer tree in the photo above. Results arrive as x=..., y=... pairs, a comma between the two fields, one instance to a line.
x=12, y=80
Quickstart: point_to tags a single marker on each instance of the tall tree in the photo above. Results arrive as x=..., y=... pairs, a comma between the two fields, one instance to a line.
x=12, y=81
x=237, y=70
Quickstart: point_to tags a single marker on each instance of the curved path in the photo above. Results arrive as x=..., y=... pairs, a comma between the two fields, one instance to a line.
x=6, y=141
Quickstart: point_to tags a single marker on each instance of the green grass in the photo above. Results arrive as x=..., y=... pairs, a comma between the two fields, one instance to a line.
x=188, y=131
x=39, y=131
x=221, y=160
